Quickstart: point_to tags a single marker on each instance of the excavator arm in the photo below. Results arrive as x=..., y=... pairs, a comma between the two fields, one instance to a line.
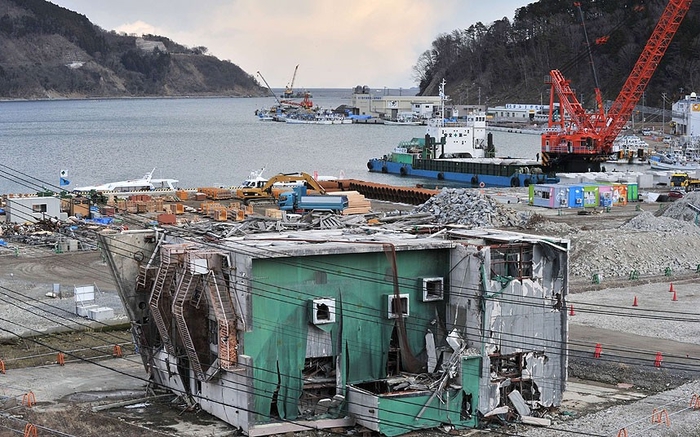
x=291, y=178
x=268, y=192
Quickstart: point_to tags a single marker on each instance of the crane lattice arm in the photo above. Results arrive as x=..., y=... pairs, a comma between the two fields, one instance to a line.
x=580, y=140
x=636, y=83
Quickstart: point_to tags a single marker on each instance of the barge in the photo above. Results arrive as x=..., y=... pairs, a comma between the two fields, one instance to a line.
x=459, y=149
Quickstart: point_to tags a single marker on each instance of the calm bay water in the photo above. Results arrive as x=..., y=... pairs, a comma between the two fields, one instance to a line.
x=200, y=142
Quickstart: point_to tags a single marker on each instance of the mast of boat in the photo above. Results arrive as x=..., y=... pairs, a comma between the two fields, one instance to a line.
x=269, y=88
x=443, y=97
x=149, y=175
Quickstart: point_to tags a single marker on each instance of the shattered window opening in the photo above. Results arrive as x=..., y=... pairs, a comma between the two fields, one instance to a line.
x=512, y=261
x=510, y=368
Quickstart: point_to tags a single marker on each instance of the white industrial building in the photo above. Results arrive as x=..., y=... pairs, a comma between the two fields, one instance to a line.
x=686, y=115
x=32, y=209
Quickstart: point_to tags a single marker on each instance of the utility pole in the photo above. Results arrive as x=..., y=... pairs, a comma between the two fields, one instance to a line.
x=644, y=95
x=663, y=114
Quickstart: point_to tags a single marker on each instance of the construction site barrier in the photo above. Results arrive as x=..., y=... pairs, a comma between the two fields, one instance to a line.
x=695, y=402
x=28, y=399
x=61, y=359
x=30, y=430
x=117, y=352
x=2, y=367
x=660, y=416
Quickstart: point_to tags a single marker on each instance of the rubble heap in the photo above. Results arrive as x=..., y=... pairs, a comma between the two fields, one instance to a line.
x=470, y=208
x=667, y=241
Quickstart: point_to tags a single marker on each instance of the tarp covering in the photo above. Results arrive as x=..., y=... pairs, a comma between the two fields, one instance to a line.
x=362, y=331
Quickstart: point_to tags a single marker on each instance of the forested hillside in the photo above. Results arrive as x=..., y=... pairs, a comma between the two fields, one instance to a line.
x=47, y=51
x=506, y=61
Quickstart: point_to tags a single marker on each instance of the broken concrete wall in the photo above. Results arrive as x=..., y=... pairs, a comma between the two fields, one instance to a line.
x=518, y=324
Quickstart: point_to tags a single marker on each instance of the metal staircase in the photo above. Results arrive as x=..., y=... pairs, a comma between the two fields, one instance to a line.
x=226, y=318
x=182, y=296
x=164, y=280
x=145, y=271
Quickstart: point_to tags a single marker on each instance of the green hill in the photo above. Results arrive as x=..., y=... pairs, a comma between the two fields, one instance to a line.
x=507, y=60
x=47, y=51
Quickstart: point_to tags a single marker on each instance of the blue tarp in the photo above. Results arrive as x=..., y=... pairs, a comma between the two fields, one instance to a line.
x=3, y=243
x=102, y=220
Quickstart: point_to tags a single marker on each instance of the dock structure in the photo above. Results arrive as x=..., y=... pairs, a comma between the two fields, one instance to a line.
x=410, y=195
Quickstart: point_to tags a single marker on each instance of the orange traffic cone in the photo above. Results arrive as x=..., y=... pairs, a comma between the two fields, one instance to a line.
x=571, y=311
x=670, y=288
x=634, y=304
x=598, y=350
x=674, y=298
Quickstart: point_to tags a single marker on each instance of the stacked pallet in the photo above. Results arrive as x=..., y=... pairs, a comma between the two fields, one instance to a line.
x=215, y=193
x=357, y=203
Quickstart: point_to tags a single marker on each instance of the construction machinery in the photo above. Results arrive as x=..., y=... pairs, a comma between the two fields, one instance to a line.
x=277, y=184
x=298, y=200
x=576, y=140
x=684, y=181
x=289, y=89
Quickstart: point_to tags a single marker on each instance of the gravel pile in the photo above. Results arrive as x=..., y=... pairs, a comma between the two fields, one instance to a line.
x=648, y=244
x=470, y=208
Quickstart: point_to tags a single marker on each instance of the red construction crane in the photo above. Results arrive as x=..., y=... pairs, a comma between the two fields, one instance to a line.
x=577, y=140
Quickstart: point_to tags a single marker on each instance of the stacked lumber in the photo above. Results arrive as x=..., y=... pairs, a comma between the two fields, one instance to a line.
x=357, y=203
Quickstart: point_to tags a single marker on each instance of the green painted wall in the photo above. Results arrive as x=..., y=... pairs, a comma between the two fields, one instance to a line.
x=361, y=334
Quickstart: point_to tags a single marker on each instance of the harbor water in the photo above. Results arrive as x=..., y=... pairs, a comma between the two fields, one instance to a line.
x=199, y=141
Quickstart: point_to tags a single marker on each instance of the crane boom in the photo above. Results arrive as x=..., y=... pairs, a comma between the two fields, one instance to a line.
x=578, y=140
x=636, y=83
x=268, y=87
x=289, y=90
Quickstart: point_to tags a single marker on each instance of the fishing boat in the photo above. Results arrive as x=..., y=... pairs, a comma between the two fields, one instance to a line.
x=404, y=119
x=146, y=183
x=663, y=162
x=459, y=149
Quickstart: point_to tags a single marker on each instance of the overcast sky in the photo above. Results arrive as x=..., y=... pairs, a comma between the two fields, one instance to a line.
x=337, y=44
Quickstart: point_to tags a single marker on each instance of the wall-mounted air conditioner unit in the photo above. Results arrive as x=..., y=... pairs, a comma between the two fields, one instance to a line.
x=396, y=306
x=322, y=311
x=433, y=288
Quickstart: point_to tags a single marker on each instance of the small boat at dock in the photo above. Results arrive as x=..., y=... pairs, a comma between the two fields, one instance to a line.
x=146, y=183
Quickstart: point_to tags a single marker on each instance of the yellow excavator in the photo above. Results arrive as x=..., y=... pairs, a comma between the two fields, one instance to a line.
x=282, y=182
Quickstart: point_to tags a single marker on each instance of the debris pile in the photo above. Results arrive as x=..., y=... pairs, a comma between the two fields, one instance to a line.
x=470, y=208
x=645, y=245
